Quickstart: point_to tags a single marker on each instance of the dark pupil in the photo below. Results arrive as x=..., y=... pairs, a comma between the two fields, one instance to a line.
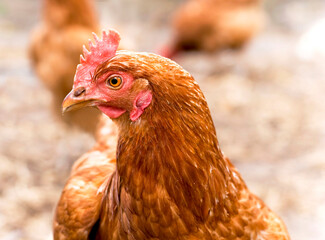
x=114, y=81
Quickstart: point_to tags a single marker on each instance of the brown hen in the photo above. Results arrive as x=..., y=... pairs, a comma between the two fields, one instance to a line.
x=55, y=49
x=211, y=25
x=170, y=179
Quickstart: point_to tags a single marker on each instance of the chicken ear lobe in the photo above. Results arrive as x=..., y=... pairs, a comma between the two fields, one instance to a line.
x=142, y=100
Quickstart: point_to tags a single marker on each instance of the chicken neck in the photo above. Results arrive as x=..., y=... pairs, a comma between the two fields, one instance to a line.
x=173, y=150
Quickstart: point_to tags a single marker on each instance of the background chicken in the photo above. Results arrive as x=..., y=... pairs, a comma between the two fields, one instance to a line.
x=211, y=25
x=171, y=180
x=55, y=49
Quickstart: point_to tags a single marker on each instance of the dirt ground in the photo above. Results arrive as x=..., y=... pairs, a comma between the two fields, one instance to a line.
x=267, y=103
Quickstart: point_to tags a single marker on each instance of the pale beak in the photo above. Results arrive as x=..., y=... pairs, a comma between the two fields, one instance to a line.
x=75, y=100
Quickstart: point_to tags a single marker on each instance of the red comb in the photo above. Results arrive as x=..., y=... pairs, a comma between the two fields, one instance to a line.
x=99, y=52
x=102, y=49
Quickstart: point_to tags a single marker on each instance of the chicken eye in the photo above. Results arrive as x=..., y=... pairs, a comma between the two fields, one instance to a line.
x=114, y=82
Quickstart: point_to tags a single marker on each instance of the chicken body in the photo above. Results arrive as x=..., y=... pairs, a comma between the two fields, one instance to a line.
x=170, y=179
x=55, y=50
x=211, y=25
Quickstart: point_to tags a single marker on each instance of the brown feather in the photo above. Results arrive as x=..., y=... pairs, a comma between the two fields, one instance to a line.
x=171, y=179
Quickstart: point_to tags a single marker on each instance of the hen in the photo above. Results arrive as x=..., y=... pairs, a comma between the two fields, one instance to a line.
x=211, y=25
x=170, y=179
x=55, y=49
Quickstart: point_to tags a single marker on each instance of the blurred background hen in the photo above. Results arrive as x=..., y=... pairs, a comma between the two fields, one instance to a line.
x=211, y=25
x=266, y=99
x=55, y=50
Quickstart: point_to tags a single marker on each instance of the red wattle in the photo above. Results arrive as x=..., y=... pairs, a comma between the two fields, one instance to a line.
x=111, y=112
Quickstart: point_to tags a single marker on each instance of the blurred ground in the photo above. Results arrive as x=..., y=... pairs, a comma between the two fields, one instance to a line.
x=267, y=104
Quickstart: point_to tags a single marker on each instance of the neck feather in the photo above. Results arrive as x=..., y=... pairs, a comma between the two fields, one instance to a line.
x=174, y=146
